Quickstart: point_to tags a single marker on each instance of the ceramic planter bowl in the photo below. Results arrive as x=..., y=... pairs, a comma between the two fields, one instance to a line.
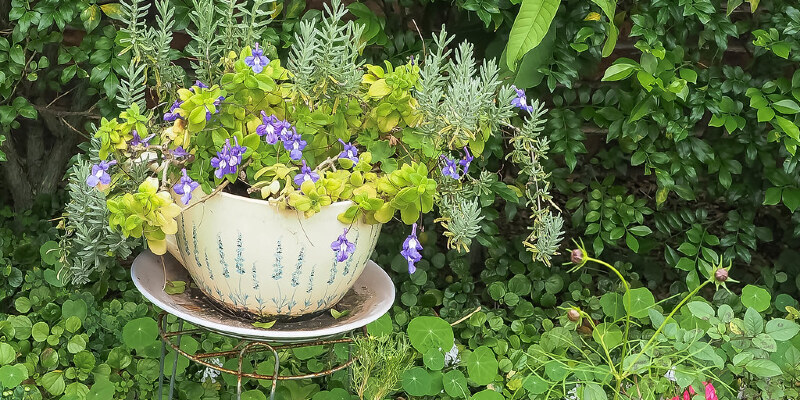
x=253, y=257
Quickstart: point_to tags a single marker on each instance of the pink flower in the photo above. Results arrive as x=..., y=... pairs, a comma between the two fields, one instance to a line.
x=711, y=393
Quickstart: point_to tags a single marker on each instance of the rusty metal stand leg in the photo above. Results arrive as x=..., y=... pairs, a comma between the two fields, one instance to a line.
x=274, y=373
x=239, y=372
x=161, y=370
x=175, y=361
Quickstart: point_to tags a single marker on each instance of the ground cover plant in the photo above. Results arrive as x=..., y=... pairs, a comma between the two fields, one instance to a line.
x=668, y=143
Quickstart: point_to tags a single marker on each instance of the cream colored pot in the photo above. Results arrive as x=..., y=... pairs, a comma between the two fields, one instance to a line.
x=251, y=256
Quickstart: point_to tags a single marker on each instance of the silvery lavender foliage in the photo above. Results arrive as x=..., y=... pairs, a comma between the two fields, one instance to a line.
x=206, y=42
x=461, y=217
x=325, y=58
x=91, y=244
x=457, y=98
x=135, y=40
x=243, y=26
x=530, y=150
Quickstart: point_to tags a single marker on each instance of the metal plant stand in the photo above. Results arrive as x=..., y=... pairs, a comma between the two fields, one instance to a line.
x=371, y=296
x=245, y=346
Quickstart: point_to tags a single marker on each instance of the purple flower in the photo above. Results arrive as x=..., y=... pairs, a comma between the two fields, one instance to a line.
x=411, y=248
x=450, y=168
x=100, y=174
x=179, y=152
x=271, y=128
x=257, y=61
x=138, y=141
x=172, y=115
x=294, y=144
x=350, y=152
x=228, y=158
x=521, y=101
x=201, y=85
x=217, y=102
x=466, y=161
x=306, y=174
x=343, y=247
x=185, y=187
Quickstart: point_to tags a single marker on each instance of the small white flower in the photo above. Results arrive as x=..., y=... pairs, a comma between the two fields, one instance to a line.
x=210, y=373
x=451, y=357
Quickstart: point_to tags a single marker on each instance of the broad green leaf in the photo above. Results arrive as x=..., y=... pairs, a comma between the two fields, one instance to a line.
x=592, y=391
x=763, y=368
x=701, y=310
x=638, y=301
x=417, y=381
x=756, y=297
x=786, y=106
x=487, y=394
x=781, y=329
x=529, y=28
x=482, y=366
x=455, y=384
x=621, y=69
x=140, y=332
x=753, y=322
x=430, y=332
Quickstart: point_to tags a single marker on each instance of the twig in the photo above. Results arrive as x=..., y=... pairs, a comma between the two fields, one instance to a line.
x=208, y=196
x=63, y=113
x=464, y=318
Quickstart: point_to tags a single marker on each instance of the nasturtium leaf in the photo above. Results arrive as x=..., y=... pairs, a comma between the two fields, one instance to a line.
x=433, y=359
x=756, y=297
x=482, y=366
x=101, y=390
x=381, y=326
x=417, y=381
x=253, y=395
x=430, y=332
x=535, y=384
x=455, y=384
x=40, y=331
x=7, y=354
x=781, y=329
x=608, y=334
x=611, y=302
x=13, y=375
x=638, y=301
x=49, y=252
x=140, y=332
x=487, y=394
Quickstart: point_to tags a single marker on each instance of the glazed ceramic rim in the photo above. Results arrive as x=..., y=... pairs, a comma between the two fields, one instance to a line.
x=340, y=203
x=383, y=305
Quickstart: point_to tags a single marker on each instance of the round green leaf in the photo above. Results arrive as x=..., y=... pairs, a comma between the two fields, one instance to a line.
x=12, y=375
x=101, y=390
x=455, y=384
x=482, y=366
x=417, y=381
x=40, y=331
x=488, y=394
x=640, y=300
x=430, y=333
x=756, y=297
x=7, y=354
x=53, y=382
x=140, y=332
x=781, y=329
x=433, y=359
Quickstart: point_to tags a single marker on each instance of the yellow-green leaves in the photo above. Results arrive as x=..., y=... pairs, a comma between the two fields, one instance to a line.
x=147, y=213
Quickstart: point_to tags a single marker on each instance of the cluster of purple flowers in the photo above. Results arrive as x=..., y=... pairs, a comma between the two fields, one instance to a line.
x=343, y=247
x=274, y=130
x=100, y=174
x=257, y=61
x=521, y=101
x=411, y=248
x=228, y=159
x=185, y=187
x=457, y=168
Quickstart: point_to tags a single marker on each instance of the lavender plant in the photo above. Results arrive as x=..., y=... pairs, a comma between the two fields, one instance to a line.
x=396, y=141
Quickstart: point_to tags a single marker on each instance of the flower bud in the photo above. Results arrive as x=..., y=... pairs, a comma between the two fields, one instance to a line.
x=573, y=315
x=577, y=256
x=721, y=275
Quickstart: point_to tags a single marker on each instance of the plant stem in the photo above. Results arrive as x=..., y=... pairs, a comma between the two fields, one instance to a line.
x=625, y=298
x=664, y=323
